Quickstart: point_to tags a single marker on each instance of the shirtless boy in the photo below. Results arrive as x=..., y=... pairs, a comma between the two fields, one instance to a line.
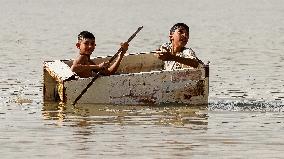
x=84, y=66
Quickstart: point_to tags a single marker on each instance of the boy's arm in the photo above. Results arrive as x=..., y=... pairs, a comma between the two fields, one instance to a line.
x=80, y=64
x=186, y=61
x=167, y=56
x=164, y=54
x=113, y=68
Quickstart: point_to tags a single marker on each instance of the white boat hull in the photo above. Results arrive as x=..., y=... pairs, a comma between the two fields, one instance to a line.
x=154, y=87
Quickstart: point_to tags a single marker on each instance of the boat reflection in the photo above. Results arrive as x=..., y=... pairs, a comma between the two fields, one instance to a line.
x=85, y=115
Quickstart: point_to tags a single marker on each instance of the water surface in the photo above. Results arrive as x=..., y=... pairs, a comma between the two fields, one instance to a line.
x=243, y=40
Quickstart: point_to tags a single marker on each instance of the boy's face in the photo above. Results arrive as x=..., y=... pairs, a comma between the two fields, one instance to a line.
x=86, y=46
x=179, y=37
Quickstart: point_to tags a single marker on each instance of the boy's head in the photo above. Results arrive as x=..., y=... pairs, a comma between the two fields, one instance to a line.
x=85, y=35
x=177, y=26
x=86, y=43
x=179, y=34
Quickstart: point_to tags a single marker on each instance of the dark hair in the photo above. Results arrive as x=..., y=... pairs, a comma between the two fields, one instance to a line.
x=178, y=25
x=85, y=35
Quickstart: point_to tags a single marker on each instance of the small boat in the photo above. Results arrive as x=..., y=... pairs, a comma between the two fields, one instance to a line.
x=139, y=80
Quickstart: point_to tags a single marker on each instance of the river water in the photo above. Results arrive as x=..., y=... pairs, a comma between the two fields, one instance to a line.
x=243, y=40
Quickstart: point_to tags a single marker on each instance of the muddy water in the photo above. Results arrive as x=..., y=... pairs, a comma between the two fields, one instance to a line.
x=243, y=40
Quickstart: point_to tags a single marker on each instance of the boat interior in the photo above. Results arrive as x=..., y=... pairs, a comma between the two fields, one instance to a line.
x=132, y=63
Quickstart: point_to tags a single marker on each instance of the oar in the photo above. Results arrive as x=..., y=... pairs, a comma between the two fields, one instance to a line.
x=110, y=60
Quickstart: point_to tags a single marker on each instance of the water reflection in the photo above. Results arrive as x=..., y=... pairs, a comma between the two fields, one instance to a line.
x=88, y=115
x=107, y=130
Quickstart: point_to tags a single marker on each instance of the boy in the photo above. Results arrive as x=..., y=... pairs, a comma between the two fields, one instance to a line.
x=84, y=66
x=175, y=54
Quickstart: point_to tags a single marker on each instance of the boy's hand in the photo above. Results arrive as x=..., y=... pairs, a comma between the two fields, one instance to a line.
x=124, y=47
x=104, y=66
x=165, y=54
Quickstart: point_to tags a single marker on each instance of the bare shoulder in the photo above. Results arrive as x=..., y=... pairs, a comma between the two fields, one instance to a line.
x=81, y=59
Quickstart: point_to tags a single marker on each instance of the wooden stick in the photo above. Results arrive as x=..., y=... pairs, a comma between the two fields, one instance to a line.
x=110, y=60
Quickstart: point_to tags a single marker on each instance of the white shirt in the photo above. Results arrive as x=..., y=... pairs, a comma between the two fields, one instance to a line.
x=186, y=53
